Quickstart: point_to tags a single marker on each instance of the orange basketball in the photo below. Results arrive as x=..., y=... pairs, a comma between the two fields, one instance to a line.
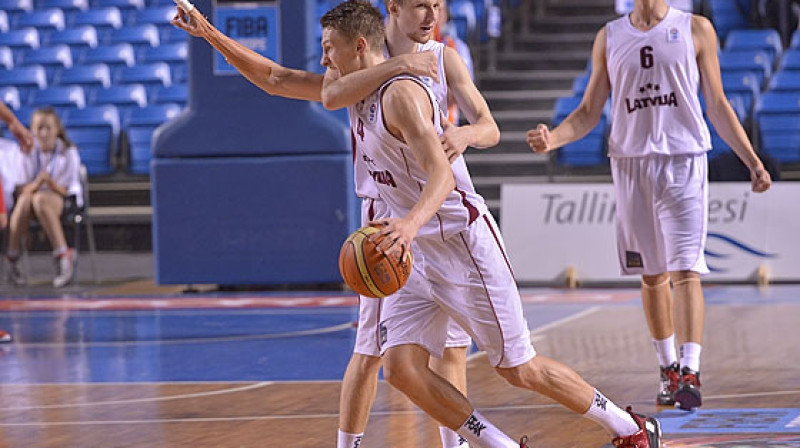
x=367, y=270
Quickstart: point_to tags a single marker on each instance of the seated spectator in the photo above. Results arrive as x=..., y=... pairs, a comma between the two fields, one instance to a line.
x=445, y=33
x=47, y=175
x=727, y=167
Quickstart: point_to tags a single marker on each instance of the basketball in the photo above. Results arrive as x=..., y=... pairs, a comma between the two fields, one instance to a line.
x=369, y=271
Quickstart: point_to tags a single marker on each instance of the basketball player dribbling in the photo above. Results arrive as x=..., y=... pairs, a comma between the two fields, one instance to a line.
x=652, y=62
x=460, y=270
x=410, y=27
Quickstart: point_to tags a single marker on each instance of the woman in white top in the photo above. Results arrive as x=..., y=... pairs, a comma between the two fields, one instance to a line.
x=47, y=175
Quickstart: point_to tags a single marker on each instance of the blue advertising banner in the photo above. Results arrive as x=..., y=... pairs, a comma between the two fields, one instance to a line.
x=256, y=25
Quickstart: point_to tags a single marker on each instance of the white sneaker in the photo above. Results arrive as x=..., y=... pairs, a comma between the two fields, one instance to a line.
x=5, y=337
x=65, y=265
x=14, y=274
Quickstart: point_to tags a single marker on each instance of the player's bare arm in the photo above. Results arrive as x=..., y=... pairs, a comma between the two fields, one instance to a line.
x=266, y=74
x=587, y=115
x=18, y=130
x=356, y=86
x=408, y=113
x=718, y=109
x=482, y=132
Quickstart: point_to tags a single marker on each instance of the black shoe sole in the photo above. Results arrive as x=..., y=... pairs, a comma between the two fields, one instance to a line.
x=688, y=398
x=662, y=401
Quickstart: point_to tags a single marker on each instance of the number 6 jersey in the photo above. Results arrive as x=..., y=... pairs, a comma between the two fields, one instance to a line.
x=654, y=88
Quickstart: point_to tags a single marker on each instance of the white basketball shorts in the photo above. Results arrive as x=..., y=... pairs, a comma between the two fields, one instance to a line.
x=470, y=280
x=662, y=213
x=368, y=308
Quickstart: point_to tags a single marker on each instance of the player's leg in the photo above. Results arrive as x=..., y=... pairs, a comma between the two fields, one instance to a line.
x=658, y=310
x=18, y=226
x=452, y=366
x=683, y=208
x=358, y=392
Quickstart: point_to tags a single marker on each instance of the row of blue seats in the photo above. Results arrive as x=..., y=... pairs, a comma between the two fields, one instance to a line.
x=75, y=96
x=87, y=36
x=15, y=7
x=109, y=18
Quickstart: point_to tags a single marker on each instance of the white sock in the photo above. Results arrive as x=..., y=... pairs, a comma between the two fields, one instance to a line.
x=59, y=251
x=665, y=351
x=690, y=355
x=608, y=415
x=347, y=440
x=479, y=432
x=450, y=438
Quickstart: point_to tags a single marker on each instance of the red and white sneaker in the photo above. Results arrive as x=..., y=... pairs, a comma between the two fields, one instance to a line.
x=648, y=435
x=688, y=396
x=668, y=385
x=5, y=336
x=523, y=442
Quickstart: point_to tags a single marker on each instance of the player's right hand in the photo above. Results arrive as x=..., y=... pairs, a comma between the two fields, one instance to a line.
x=423, y=63
x=23, y=136
x=192, y=22
x=539, y=138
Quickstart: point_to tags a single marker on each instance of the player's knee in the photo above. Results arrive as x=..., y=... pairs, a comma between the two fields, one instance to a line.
x=683, y=276
x=655, y=280
x=366, y=364
x=399, y=373
x=528, y=375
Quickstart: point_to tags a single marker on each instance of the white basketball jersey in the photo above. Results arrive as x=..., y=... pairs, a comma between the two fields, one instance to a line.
x=654, y=85
x=398, y=176
x=365, y=187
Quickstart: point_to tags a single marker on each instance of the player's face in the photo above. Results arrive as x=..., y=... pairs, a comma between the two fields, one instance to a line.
x=339, y=52
x=417, y=18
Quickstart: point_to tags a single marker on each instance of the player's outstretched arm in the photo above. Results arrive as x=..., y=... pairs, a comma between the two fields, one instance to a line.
x=589, y=111
x=409, y=116
x=266, y=74
x=356, y=86
x=18, y=130
x=482, y=132
x=718, y=109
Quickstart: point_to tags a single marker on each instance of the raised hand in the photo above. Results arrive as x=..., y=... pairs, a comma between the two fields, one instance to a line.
x=192, y=22
x=539, y=139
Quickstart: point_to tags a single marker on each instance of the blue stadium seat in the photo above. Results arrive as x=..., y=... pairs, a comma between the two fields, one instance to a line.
x=791, y=59
x=20, y=39
x=6, y=58
x=743, y=84
x=580, y=83
x=125, y=97
x=61, y=97
x=139, y=140
x=785, y=81
x=464, y=16
x=51, y=58
x=121, y=4
x=778, y=115
x=756, y=62
x=149, y=75
x=42, y=19
x=95, y=148
x=95, y=117
x=737, y=103
x=26, y=79
x=171, y=35
x=68, y=6
x=151, y=116
x=753, y=40
x=160, y=16
x=78, y=38
x=119, y=55
x=140, y=36
x=4, y=22
x=90, y=77
x=16, y=8
x=587, y=151
x=103, y=19
x=24, y=114
x=564, y=106
x=9, y=95
x=176, y=93
x=180, y=73
x=795, y=42
x=169, y=53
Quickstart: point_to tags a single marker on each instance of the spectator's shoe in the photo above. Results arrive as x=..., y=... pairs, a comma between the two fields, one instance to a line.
x=14, y=274
x=648, y=435
x=523, y=442
x=668, y=385
x=65, y=264
x=688, y=395
x=5, y=337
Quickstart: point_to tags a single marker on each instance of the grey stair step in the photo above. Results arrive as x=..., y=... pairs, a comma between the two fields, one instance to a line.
x=121, y=214
x=554, y=42
x=528, y=79
x=524, y=99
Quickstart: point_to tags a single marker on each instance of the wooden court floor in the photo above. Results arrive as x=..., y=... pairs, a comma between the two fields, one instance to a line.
x=750, y=360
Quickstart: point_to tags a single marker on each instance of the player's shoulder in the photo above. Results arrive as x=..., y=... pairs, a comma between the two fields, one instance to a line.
x=403, y=89
x=702, y=24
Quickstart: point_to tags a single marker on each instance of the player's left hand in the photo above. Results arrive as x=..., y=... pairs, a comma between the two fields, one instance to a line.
x=454, y=139
x=398, y=234
x=193, y=22
x=23, y=136
x=761, y=179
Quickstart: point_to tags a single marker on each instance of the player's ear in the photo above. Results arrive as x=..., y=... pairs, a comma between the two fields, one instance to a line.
x=361, y=46
x=391, y=7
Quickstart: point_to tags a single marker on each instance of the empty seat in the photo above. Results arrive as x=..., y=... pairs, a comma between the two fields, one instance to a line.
x=20, y=39
x=756, y=62
x=743, y=84
x=68, y=6
x=151, y=116
x=778, y=115
x=125, y=97
x=180, y=73
x=176, y=93
x=170, y=53
x=121, y=4
x=749, y=40
x=795, y=42
x=169, y=35
x=138, y=35
x=95, y=148
x=103, y=19
x=160, y=16
x=785, y=80
x=79, y=39
x=6, y=58
x=90, y=77
x=139, y=140
x=9, y=95
x=149, y=75
x=15, y=8
x=119, y=55
x=61, y=97
x=51, y=58
x=43, y=20
x=26, y=79
x=580, y=83
x=95, y=117
x=4, y=22
x=791, y=59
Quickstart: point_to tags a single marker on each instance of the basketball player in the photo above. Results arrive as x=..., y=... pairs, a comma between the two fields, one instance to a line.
x=462, y=272
x=652, y=62
x=418, y=54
